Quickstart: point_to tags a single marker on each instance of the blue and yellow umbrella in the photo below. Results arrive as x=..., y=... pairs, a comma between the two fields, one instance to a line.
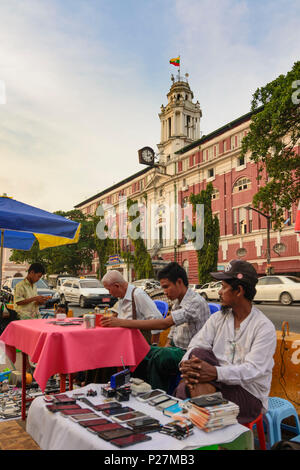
x=22, y=224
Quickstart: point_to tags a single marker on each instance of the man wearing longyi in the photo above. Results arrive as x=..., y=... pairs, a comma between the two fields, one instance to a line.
x=189, y=313
x=233, y=352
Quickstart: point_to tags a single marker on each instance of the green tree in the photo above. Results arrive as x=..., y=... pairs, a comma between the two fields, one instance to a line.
x=207, y=256
x=104, y=247
x=141, y=258
x=272, y=142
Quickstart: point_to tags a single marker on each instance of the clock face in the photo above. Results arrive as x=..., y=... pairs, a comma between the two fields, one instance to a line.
x=147, y=155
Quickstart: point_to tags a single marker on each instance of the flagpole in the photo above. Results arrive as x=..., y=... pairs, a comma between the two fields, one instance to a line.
x=179, y=67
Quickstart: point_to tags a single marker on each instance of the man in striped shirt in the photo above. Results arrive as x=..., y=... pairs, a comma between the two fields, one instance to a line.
x=189, y=313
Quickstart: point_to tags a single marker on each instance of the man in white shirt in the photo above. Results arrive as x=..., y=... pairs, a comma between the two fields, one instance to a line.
x=233, y=352
x=143, y=309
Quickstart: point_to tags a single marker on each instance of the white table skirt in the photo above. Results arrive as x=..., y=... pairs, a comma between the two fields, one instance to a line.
x=52, y=431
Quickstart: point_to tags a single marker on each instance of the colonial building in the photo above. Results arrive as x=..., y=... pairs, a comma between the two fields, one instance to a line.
x=10, y=268
x=186, y=162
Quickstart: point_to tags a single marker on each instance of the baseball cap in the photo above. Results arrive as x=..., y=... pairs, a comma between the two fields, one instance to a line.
x=237, y=269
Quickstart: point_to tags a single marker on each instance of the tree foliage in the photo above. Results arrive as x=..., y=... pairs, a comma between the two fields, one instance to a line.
x=272, y=141
x=141, y=258
x=103, y=247
x=207, y=256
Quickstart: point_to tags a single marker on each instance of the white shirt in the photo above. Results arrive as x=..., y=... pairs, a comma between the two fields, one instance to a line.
x=145, y=307
x=245, y=355
x=189, y=316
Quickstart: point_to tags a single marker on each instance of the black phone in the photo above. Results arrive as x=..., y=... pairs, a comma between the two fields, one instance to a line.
x=147, y=428
x=117, y=411
x=128, y=416
x=130, y=440
x=107, y=406
x=149, y=395
x=208, y=400
x=114, y=433
x=141, y=421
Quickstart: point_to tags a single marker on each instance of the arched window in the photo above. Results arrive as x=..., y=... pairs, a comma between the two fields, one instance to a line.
x=215, y=194
x=185, y=266
x=241, y=185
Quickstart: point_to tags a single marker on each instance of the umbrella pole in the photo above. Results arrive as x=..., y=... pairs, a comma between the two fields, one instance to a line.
x=1, y=256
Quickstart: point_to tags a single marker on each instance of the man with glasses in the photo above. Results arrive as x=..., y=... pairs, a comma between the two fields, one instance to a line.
x=233, y=352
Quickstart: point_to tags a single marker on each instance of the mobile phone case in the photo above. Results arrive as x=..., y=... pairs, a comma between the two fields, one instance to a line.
x=130, y=440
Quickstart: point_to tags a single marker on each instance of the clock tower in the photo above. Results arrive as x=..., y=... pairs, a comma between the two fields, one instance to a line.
x=180, y=120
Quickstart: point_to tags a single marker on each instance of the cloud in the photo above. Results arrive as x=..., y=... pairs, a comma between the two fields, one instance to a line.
x=84, y=81
x=232, y=48
x=72, y=123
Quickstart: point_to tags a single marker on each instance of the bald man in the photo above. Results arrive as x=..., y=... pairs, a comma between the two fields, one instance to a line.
x=145, y=308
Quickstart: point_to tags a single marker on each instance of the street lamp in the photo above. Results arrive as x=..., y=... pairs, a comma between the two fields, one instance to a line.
x=269, y=269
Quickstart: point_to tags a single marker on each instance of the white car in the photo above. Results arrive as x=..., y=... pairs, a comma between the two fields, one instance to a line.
x=146, y=284
x=86, y=292
x=195, y=286
x=8, y=290
x=210, y=291
x=285, y=289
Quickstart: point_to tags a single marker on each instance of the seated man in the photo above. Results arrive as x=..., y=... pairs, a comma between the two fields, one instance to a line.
x=189, y=313
x=134, y=302
x=233, y=352
x=26, y=299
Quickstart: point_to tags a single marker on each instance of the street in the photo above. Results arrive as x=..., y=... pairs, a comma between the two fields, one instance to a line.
x=277, y=313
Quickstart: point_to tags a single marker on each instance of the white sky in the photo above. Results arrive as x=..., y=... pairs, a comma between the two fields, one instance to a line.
x=84, y=81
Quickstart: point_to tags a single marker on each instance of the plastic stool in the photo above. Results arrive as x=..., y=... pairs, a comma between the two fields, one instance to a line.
x=258, y=422
x=279, y=409
x=162, y=306
x=213, y=307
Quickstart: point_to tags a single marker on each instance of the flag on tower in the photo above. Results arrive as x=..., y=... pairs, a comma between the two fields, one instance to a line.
x=175, y=61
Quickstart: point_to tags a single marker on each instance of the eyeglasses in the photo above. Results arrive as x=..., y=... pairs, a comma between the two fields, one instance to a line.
x=233, y=349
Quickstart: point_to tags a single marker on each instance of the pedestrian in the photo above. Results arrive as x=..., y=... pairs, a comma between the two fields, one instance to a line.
x=233, y=352
x=26, y=298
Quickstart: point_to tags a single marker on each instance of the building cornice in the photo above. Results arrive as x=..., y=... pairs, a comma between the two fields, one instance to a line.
x=220, y=131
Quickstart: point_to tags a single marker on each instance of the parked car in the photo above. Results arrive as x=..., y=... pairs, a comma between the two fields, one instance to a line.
x=147, y=284
x=285, y=289
x=86, y=292
x=195, y=286
x=61, y=279
x=210, y=291
x=8, y=291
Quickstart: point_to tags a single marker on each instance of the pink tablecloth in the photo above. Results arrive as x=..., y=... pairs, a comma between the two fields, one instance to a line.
x=66, y=349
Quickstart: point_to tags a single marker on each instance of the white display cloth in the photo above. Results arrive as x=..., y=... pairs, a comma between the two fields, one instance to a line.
x=53, y=431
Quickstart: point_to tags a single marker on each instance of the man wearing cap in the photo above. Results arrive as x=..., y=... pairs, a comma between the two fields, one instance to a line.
x=233, y=352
